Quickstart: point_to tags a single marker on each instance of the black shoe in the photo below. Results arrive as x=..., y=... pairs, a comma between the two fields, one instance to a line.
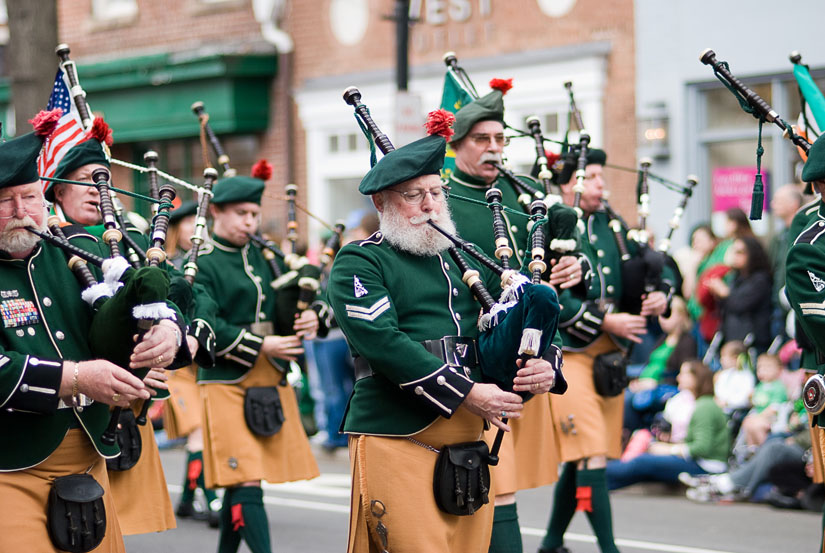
x=776, y=499
x=185, y=510
x=213, y=518
x=561, y=549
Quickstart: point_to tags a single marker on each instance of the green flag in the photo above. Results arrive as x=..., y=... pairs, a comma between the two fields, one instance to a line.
x=813, y=96
x=453, y=98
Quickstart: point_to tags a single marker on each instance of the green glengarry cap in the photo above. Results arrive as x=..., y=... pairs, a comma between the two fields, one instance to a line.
x=814, y=168
x=243, y=189
x=486, y=108
x=18, y=159
x=425, y=156
x=186, y=209
x=87, y=152
x=571, y=161
x=238, y=189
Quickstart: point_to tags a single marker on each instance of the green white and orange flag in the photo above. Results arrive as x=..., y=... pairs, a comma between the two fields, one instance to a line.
x=453, y=98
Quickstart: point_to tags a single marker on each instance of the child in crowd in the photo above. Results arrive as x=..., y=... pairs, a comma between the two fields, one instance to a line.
x=770, y=399
x=734, y=383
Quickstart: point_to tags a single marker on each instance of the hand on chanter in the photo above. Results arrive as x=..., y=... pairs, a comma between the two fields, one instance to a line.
x=537, y=376
x=566, y=272
x=491, y=403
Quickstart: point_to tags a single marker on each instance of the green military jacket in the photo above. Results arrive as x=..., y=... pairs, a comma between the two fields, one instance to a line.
x=241, y=281
x=388, y=301
x=474, y=222
x=805, y=215
x=44, y=322
x=582, y=315
x=805, y=287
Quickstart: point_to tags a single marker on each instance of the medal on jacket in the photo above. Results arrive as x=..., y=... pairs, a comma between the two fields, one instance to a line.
x=19, y=312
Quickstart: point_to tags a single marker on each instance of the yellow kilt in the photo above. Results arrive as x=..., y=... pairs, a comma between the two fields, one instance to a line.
x=182, y=412
x=587, y=424
x=529, y=455
x=399, y=473
x=25, y=494
x=232, y=454
x=140, y=493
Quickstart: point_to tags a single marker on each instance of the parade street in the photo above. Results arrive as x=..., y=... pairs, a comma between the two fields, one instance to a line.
x=312, y=517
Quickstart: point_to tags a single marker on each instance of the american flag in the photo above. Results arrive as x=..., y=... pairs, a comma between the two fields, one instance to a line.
x=68, y=132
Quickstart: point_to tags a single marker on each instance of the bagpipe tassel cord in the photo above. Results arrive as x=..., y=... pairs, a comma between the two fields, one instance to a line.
x=758, y=196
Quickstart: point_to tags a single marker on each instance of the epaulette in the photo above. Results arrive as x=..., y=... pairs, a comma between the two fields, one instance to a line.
x=374, y=239
x=77, y=231
x=809, y=207
x=811, y=234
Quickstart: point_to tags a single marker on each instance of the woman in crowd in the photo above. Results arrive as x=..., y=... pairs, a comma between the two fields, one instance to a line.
x=704, y=450
x=745, y=300
x=647, y=394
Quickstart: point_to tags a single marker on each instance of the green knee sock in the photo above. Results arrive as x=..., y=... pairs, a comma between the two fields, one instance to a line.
x=596, y=503
x=193, y=475
x=564, y=507
x=822, y=533
x=249, y=518
x=229, y=539
x=209, y=494
x=506, y=536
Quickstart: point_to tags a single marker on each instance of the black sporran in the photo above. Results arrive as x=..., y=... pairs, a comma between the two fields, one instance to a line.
x=76, y=514
x=263, y=411
x=129, y=442
x=462, y=478
x=610, y=373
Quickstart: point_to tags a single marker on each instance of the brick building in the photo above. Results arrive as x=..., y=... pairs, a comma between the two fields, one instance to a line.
x=271, y=73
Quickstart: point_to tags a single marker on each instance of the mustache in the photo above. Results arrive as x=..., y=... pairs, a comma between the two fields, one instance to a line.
x=26, y=221
x=491, y=157
x=423, y=218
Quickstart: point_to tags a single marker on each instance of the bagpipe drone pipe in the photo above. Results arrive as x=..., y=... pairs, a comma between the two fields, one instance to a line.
x=523, y=322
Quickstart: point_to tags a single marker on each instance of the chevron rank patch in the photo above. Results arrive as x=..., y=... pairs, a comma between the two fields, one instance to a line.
x=359, y=288
x=369, y=313
x=818, y=283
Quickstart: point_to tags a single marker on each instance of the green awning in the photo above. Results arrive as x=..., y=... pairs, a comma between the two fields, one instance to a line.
x=149, y=97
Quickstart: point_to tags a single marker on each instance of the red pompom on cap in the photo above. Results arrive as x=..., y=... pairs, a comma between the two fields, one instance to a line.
x=440, y=123
x=502, y=85
x=552, y=157
x=45, y=121
x=262, y=170
x=101, y=132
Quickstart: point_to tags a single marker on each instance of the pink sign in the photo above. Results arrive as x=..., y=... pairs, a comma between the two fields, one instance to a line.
x=732, y=187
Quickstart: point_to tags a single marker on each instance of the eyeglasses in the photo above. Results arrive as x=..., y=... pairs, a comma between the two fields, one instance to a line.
x=486, y=139
x=31, y=205
x=416, y=195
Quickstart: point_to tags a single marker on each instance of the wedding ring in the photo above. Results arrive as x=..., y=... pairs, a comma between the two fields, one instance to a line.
x=160, y=359
x=535, y=385
x=115, y=397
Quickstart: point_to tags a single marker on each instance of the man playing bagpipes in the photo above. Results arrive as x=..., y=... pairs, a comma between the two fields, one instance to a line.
x=139, y=482
x=54, y=392
x=419, y=405
x=530, y=452
x=589, y=419
x=251, y=423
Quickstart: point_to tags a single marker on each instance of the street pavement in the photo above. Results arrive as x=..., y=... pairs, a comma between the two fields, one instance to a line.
x=312, y=517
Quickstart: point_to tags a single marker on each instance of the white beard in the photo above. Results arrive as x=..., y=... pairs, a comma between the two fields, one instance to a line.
x=18, y=242
x=413, y=235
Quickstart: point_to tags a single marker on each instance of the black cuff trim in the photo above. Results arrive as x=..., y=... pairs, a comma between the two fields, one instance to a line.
x=202, y=332
x=554, y=356
x=441, y=391
x=38, y=388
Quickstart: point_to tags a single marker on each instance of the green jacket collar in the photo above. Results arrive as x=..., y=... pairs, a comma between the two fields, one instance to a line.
x=469, y=181
x=224, y=244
